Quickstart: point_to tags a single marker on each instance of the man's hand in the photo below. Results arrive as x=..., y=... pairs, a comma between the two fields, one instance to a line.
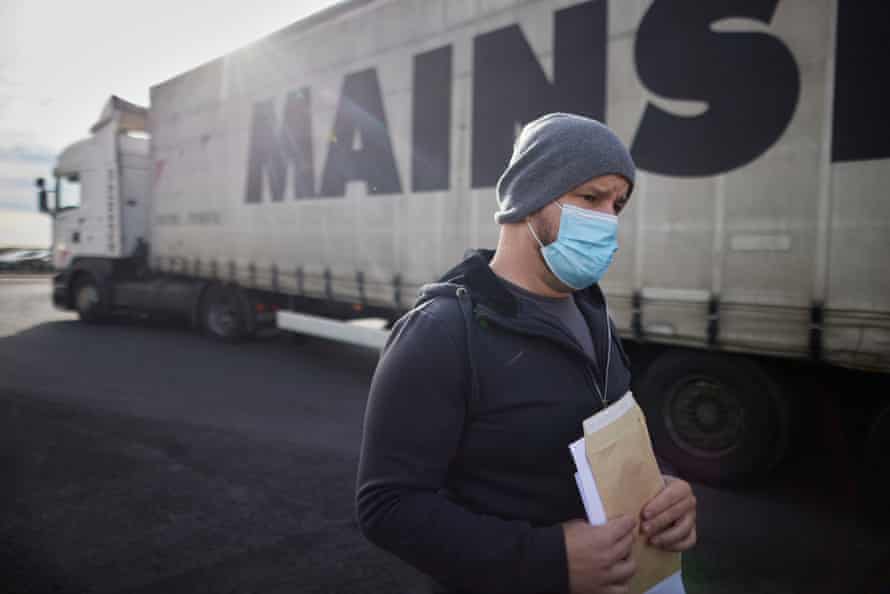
x=599, y=556
x=669, y=519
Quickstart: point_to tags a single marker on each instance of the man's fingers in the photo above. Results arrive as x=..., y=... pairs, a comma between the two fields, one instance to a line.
x=672, y=493
x=685, y=544
x=622, y=549
x=676, y=533
x=658, y=523
x=619, y=528
x=620, y=573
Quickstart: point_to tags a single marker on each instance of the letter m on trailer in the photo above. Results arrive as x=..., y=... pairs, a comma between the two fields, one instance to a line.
x=274, y=149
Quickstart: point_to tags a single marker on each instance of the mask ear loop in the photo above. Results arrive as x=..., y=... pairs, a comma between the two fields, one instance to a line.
x=532, y=229
x=535, y=235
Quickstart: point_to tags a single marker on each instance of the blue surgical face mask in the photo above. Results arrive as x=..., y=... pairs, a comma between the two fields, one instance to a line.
x=584, y=246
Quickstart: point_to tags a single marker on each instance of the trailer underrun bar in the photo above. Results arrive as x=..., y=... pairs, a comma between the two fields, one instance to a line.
x=349, y=332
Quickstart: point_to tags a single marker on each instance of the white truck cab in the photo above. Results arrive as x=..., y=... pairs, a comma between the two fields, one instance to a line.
x=101, y=188
x=101, y=212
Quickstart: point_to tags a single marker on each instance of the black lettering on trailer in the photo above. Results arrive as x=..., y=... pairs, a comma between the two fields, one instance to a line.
x=272, y=152
x=510, y=88
x=750, y=82
x=862, y=82
x=360, y=113
x=431, y=121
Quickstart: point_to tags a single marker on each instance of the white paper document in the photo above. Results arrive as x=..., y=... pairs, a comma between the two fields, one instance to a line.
x=593, y=504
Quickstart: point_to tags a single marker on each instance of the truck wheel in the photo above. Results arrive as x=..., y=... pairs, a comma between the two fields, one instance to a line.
x=877, y=469
x=223, y=314
x=878, y=445
x=88, y=299
x=718, y=419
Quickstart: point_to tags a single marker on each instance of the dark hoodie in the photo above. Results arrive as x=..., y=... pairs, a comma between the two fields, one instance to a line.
x=465, y=471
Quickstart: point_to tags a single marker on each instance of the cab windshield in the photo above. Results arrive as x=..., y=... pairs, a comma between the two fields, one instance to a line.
x=67, y=191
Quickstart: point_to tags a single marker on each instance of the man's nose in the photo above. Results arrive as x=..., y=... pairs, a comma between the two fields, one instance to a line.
x=608, y=206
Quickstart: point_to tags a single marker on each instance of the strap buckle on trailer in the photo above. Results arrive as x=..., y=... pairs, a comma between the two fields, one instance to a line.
x=636, y=321
x=817, y=319
x=360, y=281
x=713, y=320
x=397, y=290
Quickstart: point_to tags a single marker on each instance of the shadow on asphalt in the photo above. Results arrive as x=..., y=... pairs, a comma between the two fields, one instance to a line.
x=102, y=502
x=147, y=458
x=65, y=338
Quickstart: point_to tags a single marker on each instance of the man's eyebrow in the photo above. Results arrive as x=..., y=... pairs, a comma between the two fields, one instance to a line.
x=601, y=192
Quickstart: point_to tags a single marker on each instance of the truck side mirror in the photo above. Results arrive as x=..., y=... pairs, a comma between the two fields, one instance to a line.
x=42, y=201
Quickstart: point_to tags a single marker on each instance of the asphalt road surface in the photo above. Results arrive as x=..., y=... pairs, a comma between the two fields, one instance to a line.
x=141, y=457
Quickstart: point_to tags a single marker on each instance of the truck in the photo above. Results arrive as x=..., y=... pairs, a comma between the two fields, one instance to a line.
x=319, y=176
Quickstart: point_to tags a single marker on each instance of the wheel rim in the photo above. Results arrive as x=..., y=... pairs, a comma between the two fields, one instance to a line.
x=704, y=417
x=222, y=318
x=87, y=298
x=879, y=441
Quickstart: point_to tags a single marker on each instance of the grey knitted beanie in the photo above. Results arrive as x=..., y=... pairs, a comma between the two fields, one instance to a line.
x=554, y=154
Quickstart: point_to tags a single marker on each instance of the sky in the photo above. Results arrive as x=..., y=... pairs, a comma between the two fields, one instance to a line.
x=60, y=61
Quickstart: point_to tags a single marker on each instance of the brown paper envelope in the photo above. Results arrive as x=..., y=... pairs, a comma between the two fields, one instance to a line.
x=627, y=477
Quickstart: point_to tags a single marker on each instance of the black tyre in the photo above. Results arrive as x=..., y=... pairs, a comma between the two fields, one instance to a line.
x=877, y=462
x=87, y=298
x=224, y=313
x=718, y=419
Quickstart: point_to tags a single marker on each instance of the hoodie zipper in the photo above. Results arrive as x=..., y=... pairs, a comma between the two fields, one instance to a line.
x=484, y=312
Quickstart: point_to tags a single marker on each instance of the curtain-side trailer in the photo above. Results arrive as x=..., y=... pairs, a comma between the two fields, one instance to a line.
x=326, y=171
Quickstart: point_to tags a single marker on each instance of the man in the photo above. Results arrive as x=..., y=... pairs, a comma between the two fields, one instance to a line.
x=465, y=471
